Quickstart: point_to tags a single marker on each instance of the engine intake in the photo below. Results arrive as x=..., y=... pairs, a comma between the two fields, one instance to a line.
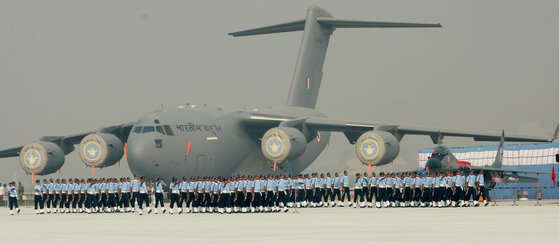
x=41, y=158
x=283, y=143
x=377, y=148
x=101, y=150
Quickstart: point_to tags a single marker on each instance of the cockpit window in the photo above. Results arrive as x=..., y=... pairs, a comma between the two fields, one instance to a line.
x=168, y=130
x=148, y=129
x=138, y=130
x=159, y=129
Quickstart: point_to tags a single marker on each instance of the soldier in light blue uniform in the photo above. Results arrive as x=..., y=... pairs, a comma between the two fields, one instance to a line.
x=159, y=196
x=482, y=192
x=449, y=179
x=381, y=197
x=38, y=199
x=63, y=195
x=336, y=191
x=44, y=188
x=471, y=190
x=57, y=191
x=373, y=190
x=417, y=184
x=226, y=187
x=143, y=195
x=345, y=188
x=327, y=184
x=459, y=188
x=192, y=186
x=207, y=194
x=69, y=195
x=91, y=201
x=124, y=192
x=239, y=199
x=358, y=191
x=365, y=188
x=258, y=188
x=200, y=186
x=76, y=195
x=175, y=197
x=249, y=195
x=83, y=195
x=135, y=191
x=12, y=198
x=183, y=193
x=112, y=190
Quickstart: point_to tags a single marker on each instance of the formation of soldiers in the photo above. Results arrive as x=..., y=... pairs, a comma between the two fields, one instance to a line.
x=258, y=193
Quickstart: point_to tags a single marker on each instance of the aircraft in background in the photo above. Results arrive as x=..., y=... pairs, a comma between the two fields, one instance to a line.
x=443, y=160
x=190, y=141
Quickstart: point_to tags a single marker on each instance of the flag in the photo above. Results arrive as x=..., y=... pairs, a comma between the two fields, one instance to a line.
x=318, y=137
x=553, y=176
x=308, y=83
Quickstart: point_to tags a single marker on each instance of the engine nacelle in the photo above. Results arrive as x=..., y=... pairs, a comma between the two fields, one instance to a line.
x=377, y=148
x=101, y=150
x=283, y=143
x=41, y=158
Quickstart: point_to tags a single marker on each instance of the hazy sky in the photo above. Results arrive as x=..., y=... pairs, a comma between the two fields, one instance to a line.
x=72, y=66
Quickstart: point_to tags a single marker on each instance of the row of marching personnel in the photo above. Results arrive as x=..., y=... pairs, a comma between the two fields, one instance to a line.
x=257, y=193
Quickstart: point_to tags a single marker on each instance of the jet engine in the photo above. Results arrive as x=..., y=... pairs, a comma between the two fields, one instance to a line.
x=377, y=148
x=41, y=158
x=101, y=150
x=283, y=143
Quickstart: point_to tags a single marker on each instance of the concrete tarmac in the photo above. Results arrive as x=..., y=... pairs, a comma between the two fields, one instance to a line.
x=493, y=224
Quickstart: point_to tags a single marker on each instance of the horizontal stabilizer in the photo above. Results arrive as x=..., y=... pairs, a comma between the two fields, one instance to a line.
x=344, y=23
x=298, y=25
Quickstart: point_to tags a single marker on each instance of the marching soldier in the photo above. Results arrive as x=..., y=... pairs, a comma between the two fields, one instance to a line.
x=482, y=192
x=159, y=196
x=63, y=196
x=183, y=191
x=38, y=200
x=45, y=195
x=327, y=189
x=143, y=195
x=336, y=191
x=471, y=190
x=358, y=191
x=366, y=190
x=57, y=192
x=373, y=190
x=83, y=196
x=12, y=198
x=344, y=185
x=459, y=188
x=174, y=188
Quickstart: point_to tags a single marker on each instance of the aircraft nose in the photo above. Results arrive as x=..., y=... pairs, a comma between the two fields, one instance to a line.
x=433, y=163
x=140, y=153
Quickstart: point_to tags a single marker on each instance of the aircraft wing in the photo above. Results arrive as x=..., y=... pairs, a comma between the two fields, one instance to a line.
x=512, y=171
x=353, y=129
x=121, y=131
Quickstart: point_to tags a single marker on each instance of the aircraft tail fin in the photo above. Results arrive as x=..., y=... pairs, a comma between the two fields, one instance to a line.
x=498, y=163
x=317, y=29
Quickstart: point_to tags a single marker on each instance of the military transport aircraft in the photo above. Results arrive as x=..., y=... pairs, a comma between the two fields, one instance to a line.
x=193, y=141
x=442, y=160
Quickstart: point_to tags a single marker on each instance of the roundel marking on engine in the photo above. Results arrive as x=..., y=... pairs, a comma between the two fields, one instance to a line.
x=32, y=157
x=92, y=150
x=369, y=148
x=274, y=146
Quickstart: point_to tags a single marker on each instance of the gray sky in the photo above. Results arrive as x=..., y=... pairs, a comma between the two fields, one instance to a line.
x=71, y=66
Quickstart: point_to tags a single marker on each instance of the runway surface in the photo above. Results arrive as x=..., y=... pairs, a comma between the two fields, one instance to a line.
x=493, y=224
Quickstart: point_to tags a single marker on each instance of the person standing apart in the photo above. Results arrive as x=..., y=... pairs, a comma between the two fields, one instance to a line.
x=12, y=198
